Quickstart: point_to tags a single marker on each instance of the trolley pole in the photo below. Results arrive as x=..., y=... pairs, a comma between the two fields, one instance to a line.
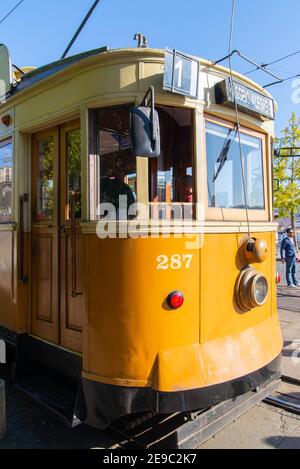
x=2, y=410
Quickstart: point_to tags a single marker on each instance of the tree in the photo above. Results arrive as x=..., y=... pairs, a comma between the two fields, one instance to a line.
x=287, y=172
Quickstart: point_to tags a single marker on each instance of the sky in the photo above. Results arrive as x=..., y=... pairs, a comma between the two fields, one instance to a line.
x=39, y=31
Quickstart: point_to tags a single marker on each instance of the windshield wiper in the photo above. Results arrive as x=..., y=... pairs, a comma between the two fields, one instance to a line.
x=222, y=158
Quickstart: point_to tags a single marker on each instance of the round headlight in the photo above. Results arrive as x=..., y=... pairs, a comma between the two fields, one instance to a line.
x=259, y=290
x=251, y=289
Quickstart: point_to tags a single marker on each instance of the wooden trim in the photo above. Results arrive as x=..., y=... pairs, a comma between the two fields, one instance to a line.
x=200, y=163
x=214, y=213
x=148, y=227
x=70, y=334
x=232, y=124
x=84, y=126
x=142, y=176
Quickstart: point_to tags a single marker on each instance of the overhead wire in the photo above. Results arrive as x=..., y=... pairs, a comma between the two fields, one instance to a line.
x=237, y=117
x=11, y=11
x=264, y=65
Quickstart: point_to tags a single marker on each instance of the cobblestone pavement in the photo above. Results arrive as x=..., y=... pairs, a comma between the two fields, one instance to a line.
x=281, y=269
x=265, y=426
x=31, y=426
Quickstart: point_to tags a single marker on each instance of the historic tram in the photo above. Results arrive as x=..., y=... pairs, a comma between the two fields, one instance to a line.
x=137, y=252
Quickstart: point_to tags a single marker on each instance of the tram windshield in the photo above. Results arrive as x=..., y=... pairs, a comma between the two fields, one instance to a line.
x=224, y=173
x=171, y=174
x=120, y=179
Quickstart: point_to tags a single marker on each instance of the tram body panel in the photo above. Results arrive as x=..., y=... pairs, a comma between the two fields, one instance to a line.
x=220, y=267
x=7, y=279
x=134, y=340
x=132, y=323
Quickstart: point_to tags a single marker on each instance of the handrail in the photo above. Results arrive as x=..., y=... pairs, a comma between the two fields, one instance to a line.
x=22, y=277
x=75, y=293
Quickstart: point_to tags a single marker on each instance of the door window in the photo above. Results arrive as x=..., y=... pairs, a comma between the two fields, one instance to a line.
x=74, y=170
x=45, y=194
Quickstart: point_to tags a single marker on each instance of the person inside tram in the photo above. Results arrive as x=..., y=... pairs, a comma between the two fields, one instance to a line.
x=113, y=186
x=187, y=189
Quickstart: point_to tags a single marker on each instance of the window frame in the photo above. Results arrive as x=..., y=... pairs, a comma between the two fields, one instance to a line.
x=3, y=143
x=236, y=214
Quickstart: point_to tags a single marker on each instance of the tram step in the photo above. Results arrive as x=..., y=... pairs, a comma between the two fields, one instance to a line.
x=58, y=398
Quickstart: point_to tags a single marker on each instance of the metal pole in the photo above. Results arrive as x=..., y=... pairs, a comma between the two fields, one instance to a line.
x=80, y=28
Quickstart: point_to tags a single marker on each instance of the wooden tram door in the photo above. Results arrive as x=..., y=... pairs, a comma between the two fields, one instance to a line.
x=57, y=246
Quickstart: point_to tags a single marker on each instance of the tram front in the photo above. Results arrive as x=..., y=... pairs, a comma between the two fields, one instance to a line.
x=181, y=272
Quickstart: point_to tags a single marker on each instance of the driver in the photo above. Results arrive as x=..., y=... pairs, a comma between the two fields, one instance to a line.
x=113, y=186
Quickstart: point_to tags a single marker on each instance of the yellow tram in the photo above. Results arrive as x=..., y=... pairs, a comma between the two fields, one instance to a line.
x=131, y=282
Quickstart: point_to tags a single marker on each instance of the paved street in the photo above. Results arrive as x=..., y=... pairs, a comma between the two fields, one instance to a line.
x=30, y=425
x=264, y=426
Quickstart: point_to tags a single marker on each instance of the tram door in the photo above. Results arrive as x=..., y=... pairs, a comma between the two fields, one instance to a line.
x=57, y=253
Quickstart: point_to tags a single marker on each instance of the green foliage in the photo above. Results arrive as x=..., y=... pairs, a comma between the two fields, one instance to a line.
x=287, y=171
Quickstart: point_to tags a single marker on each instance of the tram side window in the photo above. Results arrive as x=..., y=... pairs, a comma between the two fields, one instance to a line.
x=224, y=174
x=171, y=174
x=6, y=169
x=113, y=176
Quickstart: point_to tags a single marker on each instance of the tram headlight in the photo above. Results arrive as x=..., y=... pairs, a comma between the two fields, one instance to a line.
x=260, y=289
x=251, y=289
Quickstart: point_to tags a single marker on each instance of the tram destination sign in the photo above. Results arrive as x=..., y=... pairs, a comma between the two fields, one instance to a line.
x=231, y=91
x=181, y=73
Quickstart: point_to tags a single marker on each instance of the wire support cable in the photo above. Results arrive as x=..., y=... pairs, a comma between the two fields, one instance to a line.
x=82, y=25
x=11, y=11
x=238, y=118
x=264, y=65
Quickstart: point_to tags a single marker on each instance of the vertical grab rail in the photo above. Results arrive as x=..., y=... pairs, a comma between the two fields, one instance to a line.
x=22, y=200
x=75, y=293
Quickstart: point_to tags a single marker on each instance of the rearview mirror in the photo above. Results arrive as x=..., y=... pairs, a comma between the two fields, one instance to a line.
x=145, y=131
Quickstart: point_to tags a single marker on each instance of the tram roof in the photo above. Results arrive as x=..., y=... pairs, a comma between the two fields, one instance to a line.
x=46, y=71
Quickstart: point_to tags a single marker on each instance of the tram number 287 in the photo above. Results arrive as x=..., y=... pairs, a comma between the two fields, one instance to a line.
x=175, y=262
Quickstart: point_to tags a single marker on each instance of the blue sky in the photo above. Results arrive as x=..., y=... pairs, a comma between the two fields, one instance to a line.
x=38, y=32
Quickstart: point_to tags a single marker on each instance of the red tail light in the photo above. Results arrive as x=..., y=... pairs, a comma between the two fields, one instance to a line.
x=278, y=278
x=175, y=300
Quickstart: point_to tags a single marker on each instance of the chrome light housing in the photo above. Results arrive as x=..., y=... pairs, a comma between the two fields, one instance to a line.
x=251, y=289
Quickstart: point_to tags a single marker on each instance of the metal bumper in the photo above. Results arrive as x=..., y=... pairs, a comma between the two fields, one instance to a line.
x=100, y=404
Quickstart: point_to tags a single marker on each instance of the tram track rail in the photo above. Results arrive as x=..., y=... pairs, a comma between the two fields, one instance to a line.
x=290, y=402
